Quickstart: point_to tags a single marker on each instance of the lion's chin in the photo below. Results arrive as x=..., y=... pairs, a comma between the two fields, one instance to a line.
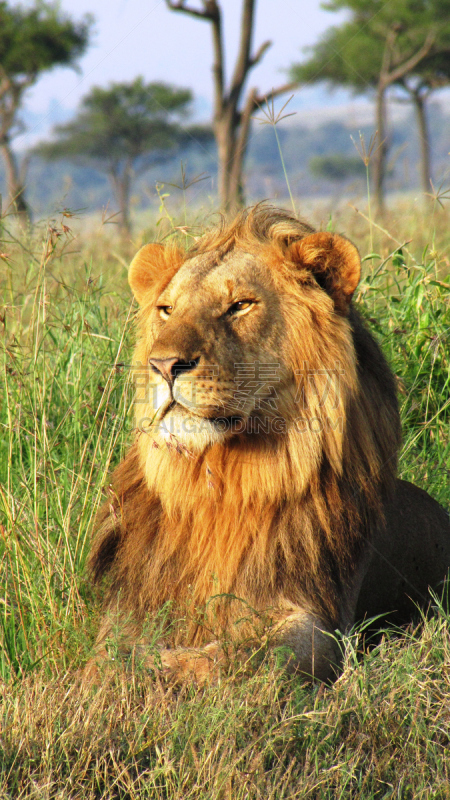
x=181, y=428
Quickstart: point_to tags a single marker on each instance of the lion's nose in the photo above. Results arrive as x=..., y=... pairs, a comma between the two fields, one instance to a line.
x=170, y=368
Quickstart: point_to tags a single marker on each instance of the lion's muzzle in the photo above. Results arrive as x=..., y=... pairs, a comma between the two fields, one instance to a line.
x=171, y=368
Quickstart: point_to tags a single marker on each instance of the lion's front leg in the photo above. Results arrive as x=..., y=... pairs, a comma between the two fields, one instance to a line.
x=311, y=650
x=120, y=640
x=199, y=664
x=312, y=645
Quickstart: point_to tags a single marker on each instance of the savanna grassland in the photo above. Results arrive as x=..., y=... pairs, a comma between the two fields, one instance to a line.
x=66, y=331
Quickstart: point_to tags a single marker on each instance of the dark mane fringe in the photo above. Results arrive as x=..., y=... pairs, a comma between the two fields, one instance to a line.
x=110, y=526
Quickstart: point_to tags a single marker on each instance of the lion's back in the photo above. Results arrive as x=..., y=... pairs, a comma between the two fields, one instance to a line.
x=410, y=556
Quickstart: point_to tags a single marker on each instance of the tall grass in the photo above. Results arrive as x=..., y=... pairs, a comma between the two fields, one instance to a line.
x=407, y=305
x=381, y=731
x=64, y=406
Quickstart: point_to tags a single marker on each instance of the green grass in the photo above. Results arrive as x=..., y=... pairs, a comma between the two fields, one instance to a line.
x=407, y=305
x=381, y=731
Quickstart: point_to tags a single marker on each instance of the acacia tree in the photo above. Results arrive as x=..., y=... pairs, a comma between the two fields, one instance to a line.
x=381, y=46
x=232, y=113
x=119, y=128
x=32, y=40
x=432, y=74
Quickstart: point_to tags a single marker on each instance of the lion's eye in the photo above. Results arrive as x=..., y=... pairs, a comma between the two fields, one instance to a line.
x=165, y=311
x=241, y=305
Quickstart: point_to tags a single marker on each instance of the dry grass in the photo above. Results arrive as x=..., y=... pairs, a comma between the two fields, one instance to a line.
x=381, y=731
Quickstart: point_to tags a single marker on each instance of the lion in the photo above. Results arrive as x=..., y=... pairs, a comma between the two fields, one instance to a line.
x=262, y=480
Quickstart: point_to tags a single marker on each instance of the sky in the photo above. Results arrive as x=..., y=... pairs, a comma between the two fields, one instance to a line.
x=143, y=37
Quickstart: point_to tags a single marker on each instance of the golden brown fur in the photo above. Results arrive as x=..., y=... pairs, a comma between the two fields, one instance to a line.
x=282, y=513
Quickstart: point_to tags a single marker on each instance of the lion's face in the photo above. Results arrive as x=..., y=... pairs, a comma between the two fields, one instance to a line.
x=214, y=350
x=224, y=338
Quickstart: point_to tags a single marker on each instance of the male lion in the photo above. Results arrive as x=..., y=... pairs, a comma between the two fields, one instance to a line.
x=263, y=474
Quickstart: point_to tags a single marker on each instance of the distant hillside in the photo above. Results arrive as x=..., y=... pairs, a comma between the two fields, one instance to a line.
x=52, y=186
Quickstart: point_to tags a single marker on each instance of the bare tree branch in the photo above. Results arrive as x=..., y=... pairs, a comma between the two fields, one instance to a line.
x=264, y=99
x=259, y=53
x=243, y=58
x=218, y=68
x=212, y=13
x=208, y=11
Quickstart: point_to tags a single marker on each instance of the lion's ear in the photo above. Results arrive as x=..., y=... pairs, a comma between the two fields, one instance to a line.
x=151, y=264
x=144, y=269
x=334, y=262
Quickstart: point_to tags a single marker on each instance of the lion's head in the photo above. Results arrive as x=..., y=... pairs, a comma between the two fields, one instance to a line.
x=250, y=333
x=267, y=417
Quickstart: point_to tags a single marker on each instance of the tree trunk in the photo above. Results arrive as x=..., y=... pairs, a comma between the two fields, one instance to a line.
x=236, y=192
x=124, y=202
x=236, y=184
x=16, y=188
x=121, y=183
x=230, y=163
x=379, y=156
x=425, y=168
